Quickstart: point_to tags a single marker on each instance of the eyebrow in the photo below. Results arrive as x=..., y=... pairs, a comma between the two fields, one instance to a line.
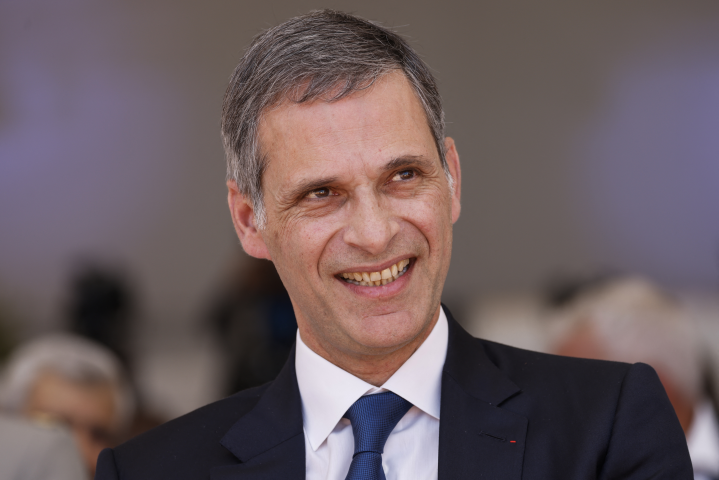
x=408, y=161
x=395, y=163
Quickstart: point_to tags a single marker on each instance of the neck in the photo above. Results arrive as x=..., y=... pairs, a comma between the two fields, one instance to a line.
x=374, y=368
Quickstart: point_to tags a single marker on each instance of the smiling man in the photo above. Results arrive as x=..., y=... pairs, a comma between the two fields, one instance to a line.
x=340, y=174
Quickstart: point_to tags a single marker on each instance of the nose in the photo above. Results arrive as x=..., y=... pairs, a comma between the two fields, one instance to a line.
x=371, y=227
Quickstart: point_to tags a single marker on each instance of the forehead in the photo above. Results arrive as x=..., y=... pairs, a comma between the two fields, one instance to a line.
x=378, y=124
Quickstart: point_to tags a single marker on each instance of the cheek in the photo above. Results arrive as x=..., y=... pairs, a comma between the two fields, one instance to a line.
x=299, y=245
x=431, y=216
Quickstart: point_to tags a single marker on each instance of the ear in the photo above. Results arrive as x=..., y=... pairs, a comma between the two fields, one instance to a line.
x=243, y=217
x=452, y=158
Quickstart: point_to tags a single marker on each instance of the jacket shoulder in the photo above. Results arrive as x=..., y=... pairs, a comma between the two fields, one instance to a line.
x=573, y=389
x=609, y=417
x=543, y=371
x=188, y=444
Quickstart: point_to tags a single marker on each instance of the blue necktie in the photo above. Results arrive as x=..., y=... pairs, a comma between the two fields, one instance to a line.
x=373, y=418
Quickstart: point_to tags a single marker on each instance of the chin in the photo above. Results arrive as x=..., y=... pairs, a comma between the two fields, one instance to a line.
x=388, y=331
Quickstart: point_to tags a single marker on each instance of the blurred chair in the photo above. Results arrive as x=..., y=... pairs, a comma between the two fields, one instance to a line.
x=72, y=381
x=631, y=320
x=33, y=452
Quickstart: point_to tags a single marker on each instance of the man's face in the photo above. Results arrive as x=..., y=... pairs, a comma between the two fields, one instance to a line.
x=354, y=188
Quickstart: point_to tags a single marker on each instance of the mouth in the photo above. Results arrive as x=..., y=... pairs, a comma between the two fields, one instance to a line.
x=376, y=279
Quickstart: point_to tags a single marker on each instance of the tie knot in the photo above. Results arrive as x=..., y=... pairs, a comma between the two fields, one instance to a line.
x=373, y=418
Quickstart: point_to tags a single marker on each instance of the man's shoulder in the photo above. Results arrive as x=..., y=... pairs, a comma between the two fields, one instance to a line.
x=595, y=412
x=533, y=383
x=558, y=378
x=520, y=363
x=189, y=441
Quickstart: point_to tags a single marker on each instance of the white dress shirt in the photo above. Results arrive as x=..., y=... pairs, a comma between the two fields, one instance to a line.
x=328, y=391
x=703, y=441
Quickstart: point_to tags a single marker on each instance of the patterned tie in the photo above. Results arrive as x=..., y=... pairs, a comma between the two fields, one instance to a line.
x=373, y=418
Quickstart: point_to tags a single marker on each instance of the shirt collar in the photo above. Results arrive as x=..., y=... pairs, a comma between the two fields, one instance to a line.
x=327, y=391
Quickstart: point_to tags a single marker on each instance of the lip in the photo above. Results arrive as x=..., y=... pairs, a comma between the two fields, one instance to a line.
x=382, y=291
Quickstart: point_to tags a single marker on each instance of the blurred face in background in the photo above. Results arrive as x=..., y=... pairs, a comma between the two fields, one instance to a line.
x=88, y=409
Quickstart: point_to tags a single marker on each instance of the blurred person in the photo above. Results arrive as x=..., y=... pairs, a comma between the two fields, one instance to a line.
x=255, y=324
x=72, y=381
x=100, y=307
x=341, y=174
x=29, y=451
x=8, y=334
x=631, y=320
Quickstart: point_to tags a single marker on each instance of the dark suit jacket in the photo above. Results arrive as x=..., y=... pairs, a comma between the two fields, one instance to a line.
x=506, y=414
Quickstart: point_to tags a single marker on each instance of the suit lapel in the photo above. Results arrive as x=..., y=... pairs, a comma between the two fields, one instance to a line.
x=477, y=438
x=269, y=441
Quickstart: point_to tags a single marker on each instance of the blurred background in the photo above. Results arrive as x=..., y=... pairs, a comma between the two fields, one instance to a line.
x=588, y=135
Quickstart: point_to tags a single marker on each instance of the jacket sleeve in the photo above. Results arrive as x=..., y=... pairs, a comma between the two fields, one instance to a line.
x=106, y=469
x=647, y=441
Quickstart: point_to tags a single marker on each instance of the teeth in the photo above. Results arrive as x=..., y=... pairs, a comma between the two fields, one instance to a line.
x=375, y=279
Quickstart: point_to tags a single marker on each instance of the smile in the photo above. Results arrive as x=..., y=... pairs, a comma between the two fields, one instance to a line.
x=375, y=279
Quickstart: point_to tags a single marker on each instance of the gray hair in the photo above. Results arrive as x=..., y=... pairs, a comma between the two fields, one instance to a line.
x=73, y=358
x=324, y=54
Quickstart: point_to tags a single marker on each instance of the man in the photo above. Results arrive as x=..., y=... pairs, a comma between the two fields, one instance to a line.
x=340, y=174
x=73, y=382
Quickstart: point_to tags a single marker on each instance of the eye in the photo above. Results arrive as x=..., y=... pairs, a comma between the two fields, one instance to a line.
x=323, y=192
x=404, y=175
